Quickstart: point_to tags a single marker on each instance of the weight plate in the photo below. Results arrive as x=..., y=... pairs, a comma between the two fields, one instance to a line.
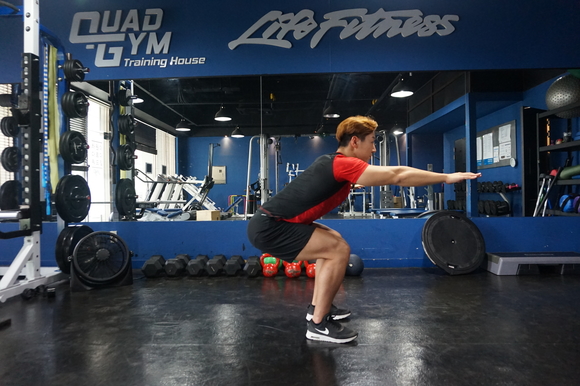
x=10, y=192
x=9, y=126
x=66, y=243
x=11, y=159
x=125, y=197
x=75, y=104
x=73, y=147
x=126, y=124
x=73, y=198
x=125, y=157
x=124, y=97
x=101, y=258
x=74, y=70
x=453, y=242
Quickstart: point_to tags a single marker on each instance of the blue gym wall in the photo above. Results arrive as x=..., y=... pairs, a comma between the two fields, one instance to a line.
x=490, y=34
x=233, y=153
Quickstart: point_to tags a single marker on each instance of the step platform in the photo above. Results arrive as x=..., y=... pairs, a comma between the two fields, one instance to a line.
x=531, y=263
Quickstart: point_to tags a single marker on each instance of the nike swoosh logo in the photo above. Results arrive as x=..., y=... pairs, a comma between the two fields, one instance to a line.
x=325, y=331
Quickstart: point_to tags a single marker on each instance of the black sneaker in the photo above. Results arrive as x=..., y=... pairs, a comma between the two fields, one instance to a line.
x=335, y=313
x=329, y=331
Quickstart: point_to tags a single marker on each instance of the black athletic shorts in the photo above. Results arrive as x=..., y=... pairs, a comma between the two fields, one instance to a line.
x=281, y=239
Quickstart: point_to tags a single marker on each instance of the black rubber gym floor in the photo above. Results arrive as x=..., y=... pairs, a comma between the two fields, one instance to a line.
x=416, y=327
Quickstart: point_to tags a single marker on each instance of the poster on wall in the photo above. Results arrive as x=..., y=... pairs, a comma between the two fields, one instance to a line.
x=496, y=146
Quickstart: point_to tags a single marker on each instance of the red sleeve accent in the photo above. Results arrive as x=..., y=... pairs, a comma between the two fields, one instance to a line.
x=348, y=168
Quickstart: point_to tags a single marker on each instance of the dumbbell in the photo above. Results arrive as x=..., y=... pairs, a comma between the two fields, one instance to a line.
x=215, y=265
x=252, y=267
x=196, y=267
x=175, y=267
x=234, y=265
x=154, y=266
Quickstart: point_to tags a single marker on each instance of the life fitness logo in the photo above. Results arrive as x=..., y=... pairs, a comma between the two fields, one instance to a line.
x=107, y=31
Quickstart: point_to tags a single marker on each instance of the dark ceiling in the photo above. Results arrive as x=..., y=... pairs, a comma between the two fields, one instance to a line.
x=294, y=104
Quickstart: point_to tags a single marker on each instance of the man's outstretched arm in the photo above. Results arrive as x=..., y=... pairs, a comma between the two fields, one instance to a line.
x=408, y=176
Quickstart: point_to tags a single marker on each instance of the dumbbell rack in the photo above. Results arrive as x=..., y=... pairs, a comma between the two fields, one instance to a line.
x=29, y=215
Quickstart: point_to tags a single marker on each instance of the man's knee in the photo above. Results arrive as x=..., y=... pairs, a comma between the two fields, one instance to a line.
x=342, y=249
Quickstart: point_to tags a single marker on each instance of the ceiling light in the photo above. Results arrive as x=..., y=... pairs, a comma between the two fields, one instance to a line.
x=401, y=90
x=330, y=112
x=182, y=126
x=397, y=130
x=237, y=133
x=222, y=115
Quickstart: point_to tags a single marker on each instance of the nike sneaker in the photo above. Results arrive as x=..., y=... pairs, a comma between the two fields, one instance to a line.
x=329, y=331
x=335, y=313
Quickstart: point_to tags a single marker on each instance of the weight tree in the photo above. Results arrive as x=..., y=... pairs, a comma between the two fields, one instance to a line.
x=29, y=213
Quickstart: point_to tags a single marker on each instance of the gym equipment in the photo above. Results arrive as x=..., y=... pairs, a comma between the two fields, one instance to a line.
x=11, y=159
x=569, y=172
x=126, y=124
x=270, y=265
x=41, y=290
x=310, y=269
x=66, y=243
x=569, y=203
x=355, y=265
x=234, y=265
x=9, y=126
x=215, y=265
x=10, y=193
x=522, y=263
x=292, y=269
x=73, y=198
x=126, y=157
x=74, y=71
x=196, y=267
x=453, y=242
x=153, y=267
x=252, y=267
x=124, y=97
x=125, y=197
x=100, y=259
x=176, y=267
x=563, y=92
x=73, y=147
x=75, y=104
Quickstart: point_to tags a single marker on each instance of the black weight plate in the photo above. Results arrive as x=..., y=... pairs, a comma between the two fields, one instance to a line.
x=453, y=242
x=10, y=192
x=125, y=157
x=73, y=198
x=11, y=159
x=75, y=104
x=101, y=258
x=9, y=126
x=126, y=124
x=66, y=243
x=125, y=197
x=73, y=147
x=124, y=97
x=74, y=70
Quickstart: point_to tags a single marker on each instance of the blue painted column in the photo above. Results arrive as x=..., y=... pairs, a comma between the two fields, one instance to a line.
x=471, y=154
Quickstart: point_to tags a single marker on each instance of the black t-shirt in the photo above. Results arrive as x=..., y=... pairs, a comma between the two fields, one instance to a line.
x=316, y=191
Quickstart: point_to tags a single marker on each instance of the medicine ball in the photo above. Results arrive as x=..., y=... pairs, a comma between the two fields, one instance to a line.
x=355, y=266
x=563, y=92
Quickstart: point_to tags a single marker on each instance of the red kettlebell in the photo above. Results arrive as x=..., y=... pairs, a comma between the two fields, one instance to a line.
x=293, y=269
x=269, y=269
x=310, y=269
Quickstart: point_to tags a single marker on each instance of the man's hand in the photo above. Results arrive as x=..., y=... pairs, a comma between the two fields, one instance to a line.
x=460, y=176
